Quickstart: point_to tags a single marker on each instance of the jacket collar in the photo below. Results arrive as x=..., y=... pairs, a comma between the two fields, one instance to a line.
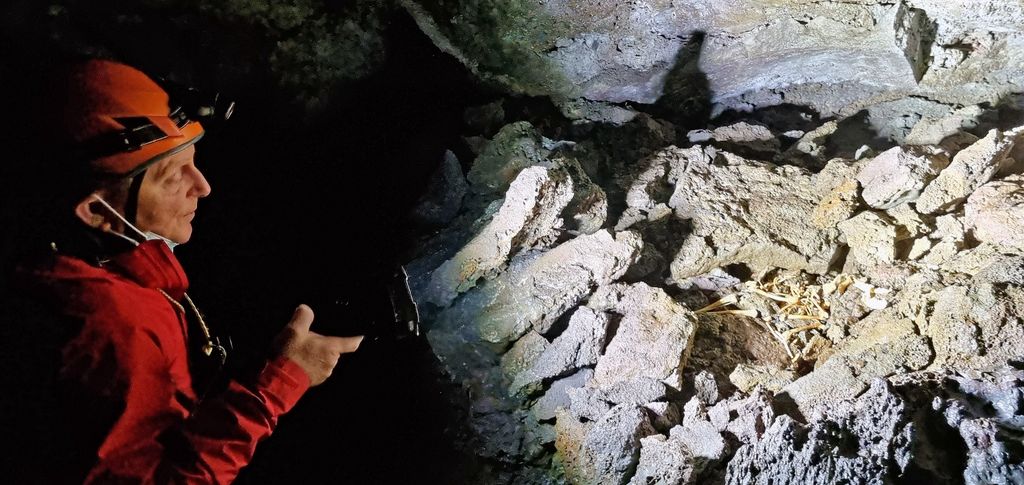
x=151, y=264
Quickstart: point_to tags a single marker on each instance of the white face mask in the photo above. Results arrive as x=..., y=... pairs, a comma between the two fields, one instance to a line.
x=145, y=235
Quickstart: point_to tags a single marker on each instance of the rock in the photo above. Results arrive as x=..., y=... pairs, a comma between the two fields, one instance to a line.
x=872, y=240
x=664, y=415
x=516, y=147
x=703, y=441
x=724, y=342
x=536, y=295
x=936, y=130
x=713, y=281
x=746, y=138
x=587, y=403
x=443, y=197
x=975, y=326
x=557, y=396
x=611, y=448
x=663, y=461
x=589, y=205
x=746, y=377
x=569, y=435
x=652, y=321
x=837, y=206
x=898, y=175
x=813, y=143
x=749, y=416
x=638, y=390
x=745, y=212
x=578, y=346
x=735, y=56
x=485, y=118
x=883, y=347
x=529, y=214
x=970, y=169
x=523, y=353
x=860, y=443
x=995, y=213
x=705, y=388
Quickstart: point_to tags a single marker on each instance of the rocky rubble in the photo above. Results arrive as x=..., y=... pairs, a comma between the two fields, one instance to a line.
x=727, y=319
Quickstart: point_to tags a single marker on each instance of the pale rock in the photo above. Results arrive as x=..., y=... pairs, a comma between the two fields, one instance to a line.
x=748, y=376
x=610, y=449
x=839, y=205
x=664, y=415
x=515, y=147
x=919, y=248
x=651, y=321
x=898, y=175
x=578, y=346
x=663, y=461
x=537, y=294
x=557, y=396
x=995, y=213
x=530, y=212
x=885, y=346
x=745, y=212
x=872, y=240
x=970, y=169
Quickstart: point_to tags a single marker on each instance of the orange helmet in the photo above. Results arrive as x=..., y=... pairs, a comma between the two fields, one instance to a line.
x=120, y=121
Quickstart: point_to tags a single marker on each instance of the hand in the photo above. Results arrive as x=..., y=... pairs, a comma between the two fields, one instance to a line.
x=316, y=354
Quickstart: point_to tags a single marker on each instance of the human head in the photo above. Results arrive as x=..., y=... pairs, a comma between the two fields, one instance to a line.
x=132, y=148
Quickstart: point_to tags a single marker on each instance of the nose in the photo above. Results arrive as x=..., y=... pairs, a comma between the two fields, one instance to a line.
x=200, y=187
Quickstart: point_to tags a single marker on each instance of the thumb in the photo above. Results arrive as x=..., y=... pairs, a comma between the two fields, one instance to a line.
x=302, y=319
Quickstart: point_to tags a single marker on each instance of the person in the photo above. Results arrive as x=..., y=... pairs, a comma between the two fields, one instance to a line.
x=123, y=385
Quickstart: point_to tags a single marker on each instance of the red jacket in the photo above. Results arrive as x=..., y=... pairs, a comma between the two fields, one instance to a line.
x=129, y=351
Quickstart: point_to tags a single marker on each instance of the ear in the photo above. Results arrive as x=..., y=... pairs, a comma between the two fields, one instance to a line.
x=93, y=213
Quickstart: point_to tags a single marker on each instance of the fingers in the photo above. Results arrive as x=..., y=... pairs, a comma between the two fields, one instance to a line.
x=302, y=319
x=344, y=345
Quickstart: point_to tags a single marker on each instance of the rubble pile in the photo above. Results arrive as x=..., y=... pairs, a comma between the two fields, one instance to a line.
x=694, y=315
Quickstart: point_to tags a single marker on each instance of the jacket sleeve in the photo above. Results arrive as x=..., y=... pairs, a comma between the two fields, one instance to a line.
x=157, y=438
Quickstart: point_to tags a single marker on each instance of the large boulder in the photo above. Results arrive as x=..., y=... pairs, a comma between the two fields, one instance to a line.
x=746, y=212
x=529, y=215
x=653, y=338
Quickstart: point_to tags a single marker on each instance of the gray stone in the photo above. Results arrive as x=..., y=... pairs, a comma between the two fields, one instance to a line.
x=529, y=214
x=638, y=390
x=705, y=388
x=514, y=148
x=664, y=415
x=743, y=137
x=702, y=440
x=663, y=461
x=970, y=169
x=898, y=175
x=523, y=353
x=587, y=403
x=745, y=212
x=536, y=295
x=443, y=197
x=651, y=321
x=995, y=213
x=871, y=238
x=885, y=346
x=557, y=396
x=851, y=446
x=746, y=377
x=578, y=346
x=610, y=450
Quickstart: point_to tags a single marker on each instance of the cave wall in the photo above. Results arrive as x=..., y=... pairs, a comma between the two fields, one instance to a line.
x=837, y=57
